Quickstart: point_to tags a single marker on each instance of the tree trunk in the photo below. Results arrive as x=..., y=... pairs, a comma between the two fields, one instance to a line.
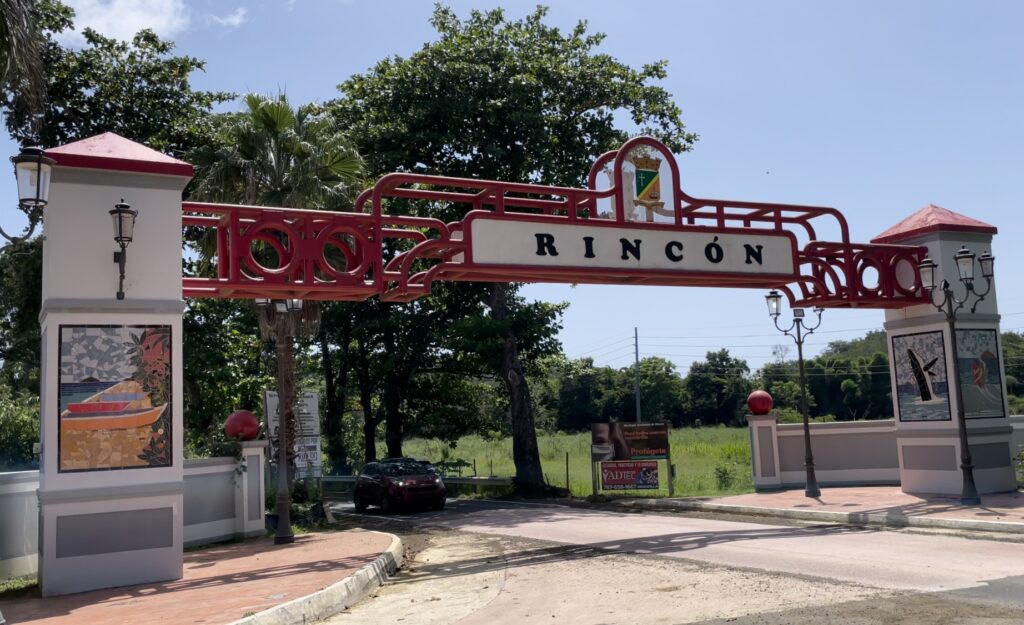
x=286, y=432
x=393, y=421
x=335, y=388
x=286, y=401
x=525, y=452
x=366, y=403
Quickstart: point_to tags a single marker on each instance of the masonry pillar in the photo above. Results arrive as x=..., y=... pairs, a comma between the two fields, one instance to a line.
x=111, y=483
x=926, y=383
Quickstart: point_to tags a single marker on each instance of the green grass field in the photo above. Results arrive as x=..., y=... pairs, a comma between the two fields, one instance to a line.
x=709, y=461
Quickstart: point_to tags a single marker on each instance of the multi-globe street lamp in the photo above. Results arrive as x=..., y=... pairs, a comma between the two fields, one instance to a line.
x=798, y=330
x=950, y=305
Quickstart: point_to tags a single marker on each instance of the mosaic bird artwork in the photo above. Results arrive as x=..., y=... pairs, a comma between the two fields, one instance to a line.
x=922, y=374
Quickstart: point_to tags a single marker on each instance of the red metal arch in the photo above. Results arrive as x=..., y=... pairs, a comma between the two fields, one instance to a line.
x=354, y=256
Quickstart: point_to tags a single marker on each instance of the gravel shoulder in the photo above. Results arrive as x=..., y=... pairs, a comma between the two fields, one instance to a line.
x=475, y=579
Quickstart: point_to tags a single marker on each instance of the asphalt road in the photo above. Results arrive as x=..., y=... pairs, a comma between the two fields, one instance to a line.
x=594, y=566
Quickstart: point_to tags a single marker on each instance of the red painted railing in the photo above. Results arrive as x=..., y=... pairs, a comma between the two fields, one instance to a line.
x=277, y=252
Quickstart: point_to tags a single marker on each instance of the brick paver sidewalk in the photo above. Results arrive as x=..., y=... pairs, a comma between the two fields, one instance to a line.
x=890, y=500
x=221, y=584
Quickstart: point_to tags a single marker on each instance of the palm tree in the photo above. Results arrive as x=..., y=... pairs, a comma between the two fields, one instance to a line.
x=21, y=48
x=276, y=155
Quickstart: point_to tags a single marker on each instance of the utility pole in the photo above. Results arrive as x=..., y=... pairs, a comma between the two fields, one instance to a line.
x=636, y=367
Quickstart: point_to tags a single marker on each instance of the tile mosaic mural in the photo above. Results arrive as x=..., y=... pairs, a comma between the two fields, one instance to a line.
x=980, y=379
x=115, y=397
x=922, y=385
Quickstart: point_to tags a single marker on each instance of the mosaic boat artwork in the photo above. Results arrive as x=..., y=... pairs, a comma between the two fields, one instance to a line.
x=114, y=400
x=124, y=405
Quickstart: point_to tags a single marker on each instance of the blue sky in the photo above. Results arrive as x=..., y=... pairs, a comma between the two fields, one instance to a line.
x=875, y=108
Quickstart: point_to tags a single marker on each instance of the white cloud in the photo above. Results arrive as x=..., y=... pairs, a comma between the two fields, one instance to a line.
x=231, y=20
x=121, y=19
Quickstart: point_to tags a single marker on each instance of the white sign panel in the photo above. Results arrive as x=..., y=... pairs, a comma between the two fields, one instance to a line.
x=307, y=457
x=542, y=243
x=307, y=413
x=308, y=462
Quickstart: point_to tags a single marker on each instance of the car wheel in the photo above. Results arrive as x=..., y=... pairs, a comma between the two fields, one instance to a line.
x=439, y=505
x=359, y=504
x=388, y=505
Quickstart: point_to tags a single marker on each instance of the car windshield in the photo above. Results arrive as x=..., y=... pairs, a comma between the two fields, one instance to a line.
x=407, y=468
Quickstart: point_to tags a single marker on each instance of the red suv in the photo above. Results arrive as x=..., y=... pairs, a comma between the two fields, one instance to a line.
x=396, y=483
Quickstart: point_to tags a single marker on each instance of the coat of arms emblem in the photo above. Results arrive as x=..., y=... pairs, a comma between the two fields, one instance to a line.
x=648, y=184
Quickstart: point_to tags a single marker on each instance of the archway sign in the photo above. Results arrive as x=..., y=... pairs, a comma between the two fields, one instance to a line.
x=639, y=228
x=115, y=501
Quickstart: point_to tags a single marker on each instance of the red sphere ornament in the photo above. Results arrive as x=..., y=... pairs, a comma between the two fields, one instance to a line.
x=759, y=402
x=242, y=425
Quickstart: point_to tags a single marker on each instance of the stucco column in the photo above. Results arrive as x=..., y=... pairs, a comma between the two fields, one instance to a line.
x=250, y=489
x=111, y=484
x=927, y=383
x=765, y=450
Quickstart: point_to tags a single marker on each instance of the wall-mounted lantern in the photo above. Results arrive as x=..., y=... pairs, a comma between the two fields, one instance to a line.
x=123, y=218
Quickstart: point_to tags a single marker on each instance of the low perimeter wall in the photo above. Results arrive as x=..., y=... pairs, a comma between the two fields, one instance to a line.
x=223, y=500
x=846, y=453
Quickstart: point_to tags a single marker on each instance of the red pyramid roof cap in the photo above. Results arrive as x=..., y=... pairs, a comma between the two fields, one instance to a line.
x=933, y=218
x=113, y=152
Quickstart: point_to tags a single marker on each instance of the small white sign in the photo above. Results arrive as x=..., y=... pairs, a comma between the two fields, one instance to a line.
x=307, y=413
x=308, y=462
x=699, y=250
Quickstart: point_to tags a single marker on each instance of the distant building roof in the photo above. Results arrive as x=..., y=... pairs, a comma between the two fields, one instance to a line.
x=933, y=218
x=113, y=152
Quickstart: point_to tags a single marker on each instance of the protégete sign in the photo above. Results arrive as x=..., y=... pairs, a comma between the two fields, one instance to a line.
x=629, y=441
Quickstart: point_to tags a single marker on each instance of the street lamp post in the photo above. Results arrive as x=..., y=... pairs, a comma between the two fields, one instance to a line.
x=283, y=320
x=798, y=330
x=949, y=306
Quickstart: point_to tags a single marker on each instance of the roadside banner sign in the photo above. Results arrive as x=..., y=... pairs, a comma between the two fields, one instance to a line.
x=629, y=475
x=629, y=441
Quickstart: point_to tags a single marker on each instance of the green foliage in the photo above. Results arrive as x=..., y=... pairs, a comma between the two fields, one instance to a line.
x=1016, y=404
x=21, y=46
x=19, y=429
x=874, y=342
x=717, y=388
x=275, y=154
x=510, y=100
x=224, y=369
x=576, y=393
x=1013, y=357
x=725, y=476
x=21, y=277
x=137, y=89
x=849, y=379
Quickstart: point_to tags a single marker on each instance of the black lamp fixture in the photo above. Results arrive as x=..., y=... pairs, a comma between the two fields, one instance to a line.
x=950, y=305
x=123, y=218
x=798, y=331
x=32, y=170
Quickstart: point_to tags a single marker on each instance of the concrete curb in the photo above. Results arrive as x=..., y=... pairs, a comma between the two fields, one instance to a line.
x=335, y=598
x=829, y=516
